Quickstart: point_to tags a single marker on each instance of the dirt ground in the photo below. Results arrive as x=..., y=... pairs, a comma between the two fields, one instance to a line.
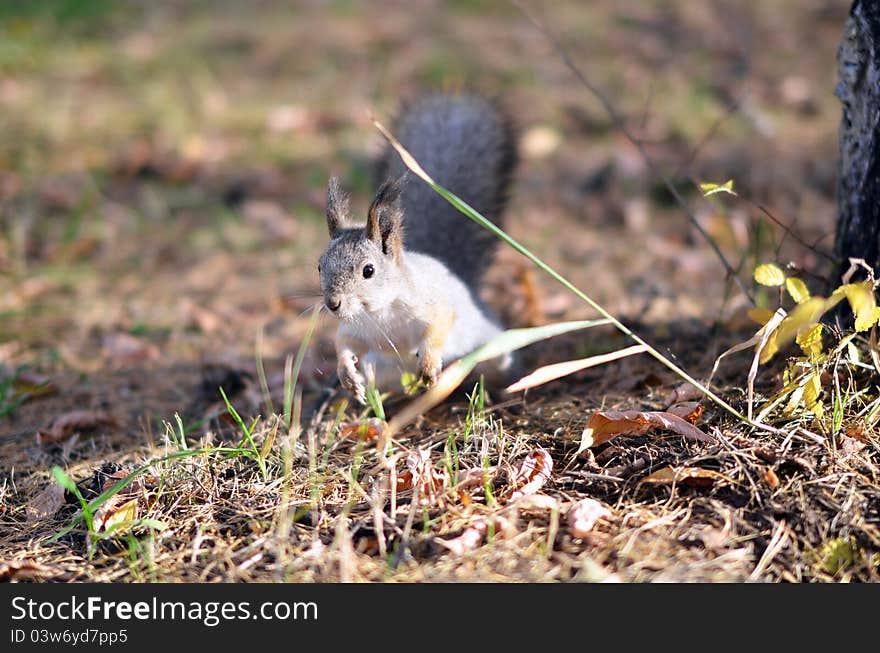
x=162, y=176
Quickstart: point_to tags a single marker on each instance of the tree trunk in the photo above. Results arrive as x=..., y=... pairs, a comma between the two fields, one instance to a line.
x=858, y=196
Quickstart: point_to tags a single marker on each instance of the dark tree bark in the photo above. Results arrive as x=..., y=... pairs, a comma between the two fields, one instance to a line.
x=858, y=196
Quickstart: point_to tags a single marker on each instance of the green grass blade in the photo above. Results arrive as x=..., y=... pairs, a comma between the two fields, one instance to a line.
x=291, y=382
x=451, y=377
x=97, y=502
x=247, y=435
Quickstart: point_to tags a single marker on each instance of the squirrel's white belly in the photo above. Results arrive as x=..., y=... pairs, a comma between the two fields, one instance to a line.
x=393, y=343
x=391, y=331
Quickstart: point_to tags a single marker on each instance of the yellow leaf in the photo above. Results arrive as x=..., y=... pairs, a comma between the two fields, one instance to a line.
x=770, y=348
x=797, y=396
x=866, y=319
x=410, y=383
x=760, y=315
x=118, y=517
x=837, y=555
x=812, y=390
x=810, y=341
x=805, y=314
x=862, y=301
x=797, y=289
x=769, y=274
x=711, y=189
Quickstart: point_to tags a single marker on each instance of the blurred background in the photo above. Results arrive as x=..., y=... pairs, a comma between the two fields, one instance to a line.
x=163, y=164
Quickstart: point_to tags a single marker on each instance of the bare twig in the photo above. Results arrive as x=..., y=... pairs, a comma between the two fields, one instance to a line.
x=620, y=124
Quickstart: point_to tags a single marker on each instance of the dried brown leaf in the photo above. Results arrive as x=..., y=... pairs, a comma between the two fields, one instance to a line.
x=583, y=515
x=537, y=502
x=140, y=483
x=605, y=425
x=366, y=430
x=126, y=349
x=430, y=481
x=475, y=477
x=75, y=421
x=473, y=536
x=692, y=476
x=46, y=503
x=405, y=481
x=690, y=411
x=34, y=385
x=533, y=473
x=770, y=478
x=684, y=392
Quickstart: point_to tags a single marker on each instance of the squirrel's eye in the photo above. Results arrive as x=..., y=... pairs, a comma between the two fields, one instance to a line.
x=368, y=271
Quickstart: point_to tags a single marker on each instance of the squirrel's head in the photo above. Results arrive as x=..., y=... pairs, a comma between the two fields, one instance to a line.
x=359, y=269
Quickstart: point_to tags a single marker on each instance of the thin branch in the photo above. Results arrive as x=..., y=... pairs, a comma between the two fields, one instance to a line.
x=620, y=124
x=789, y=230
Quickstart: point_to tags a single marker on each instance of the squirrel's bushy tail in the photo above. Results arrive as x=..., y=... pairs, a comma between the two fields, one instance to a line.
x=468, y=146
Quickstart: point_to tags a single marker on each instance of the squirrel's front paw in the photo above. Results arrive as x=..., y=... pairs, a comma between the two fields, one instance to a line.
x=429, y=369
x=352, y=380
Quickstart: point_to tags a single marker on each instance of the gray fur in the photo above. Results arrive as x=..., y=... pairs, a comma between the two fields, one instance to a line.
x=467, y=145
x=337, y=206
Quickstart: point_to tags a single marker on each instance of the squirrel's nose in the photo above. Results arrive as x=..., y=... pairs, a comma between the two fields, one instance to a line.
x=333, y=303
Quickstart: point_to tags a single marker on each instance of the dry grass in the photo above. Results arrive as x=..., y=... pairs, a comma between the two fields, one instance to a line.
x=782, y=508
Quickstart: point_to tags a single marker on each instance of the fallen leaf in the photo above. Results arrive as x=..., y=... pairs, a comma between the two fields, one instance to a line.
x=33, y=384
x=429, y=480
x=849, y=445
x=404, y=481
x=46, y=503
x=687, y=410
x=537, y=502
x=692, y=476
x=25, y=570
x=533, y=473
x=114, y=512
x=584, y=514
x=684, y=392
x=140, y=483
x=76, y=421
x=605, y=425
x=475, y=477
x=473, y=536
x=365, y=430
x=206, y=320
x=125, y=349
x=770, y=478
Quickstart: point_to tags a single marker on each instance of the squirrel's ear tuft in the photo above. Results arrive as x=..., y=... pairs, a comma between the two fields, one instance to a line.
x=337, y=206
x=385, y=218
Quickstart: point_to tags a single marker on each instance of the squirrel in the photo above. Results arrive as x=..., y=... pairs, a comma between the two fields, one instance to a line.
x=405, y=286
